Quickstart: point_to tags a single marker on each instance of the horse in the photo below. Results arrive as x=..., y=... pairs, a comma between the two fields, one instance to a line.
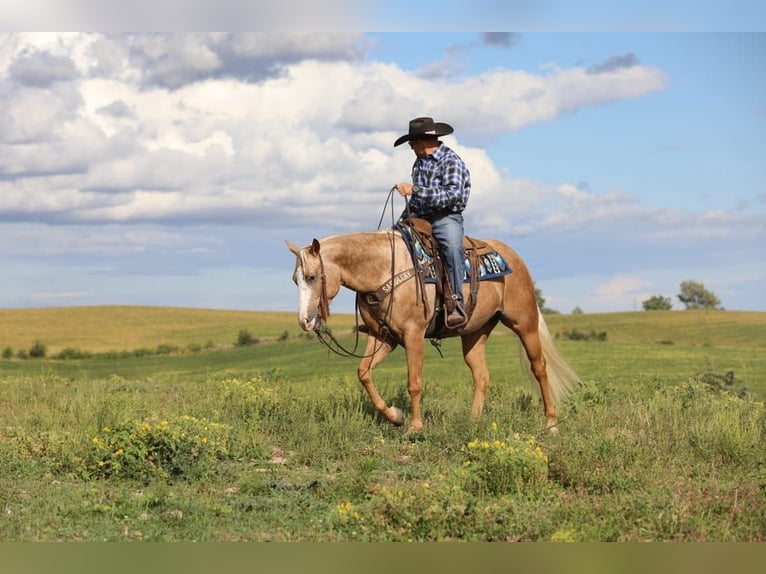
x=365, y=261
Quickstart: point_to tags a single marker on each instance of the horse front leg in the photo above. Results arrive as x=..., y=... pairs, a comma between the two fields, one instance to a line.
x=374, y=354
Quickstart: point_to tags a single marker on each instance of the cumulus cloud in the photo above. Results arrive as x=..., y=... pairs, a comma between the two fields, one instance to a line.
x=174, y=127
x=130, y=144
x=41, y=69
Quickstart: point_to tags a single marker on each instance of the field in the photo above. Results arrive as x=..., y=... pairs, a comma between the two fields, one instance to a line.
x=162, y=424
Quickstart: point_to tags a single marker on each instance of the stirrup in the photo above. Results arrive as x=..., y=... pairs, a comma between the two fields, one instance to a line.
x=457, y=318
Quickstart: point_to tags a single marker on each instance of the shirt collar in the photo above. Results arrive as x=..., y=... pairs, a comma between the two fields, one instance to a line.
x=440, y=151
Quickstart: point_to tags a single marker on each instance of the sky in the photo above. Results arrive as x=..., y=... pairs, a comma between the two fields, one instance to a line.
x=170, y=168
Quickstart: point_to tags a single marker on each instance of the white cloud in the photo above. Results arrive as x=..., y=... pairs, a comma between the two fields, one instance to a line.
x=295, y=132
x=301, y=139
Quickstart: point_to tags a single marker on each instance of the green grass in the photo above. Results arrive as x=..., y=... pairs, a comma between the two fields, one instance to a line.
x=277, y=441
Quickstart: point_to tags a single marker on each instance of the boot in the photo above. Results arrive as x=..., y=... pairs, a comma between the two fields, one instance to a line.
x=455, y=318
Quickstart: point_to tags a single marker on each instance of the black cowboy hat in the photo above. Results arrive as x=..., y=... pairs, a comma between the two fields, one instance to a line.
x=423, y=128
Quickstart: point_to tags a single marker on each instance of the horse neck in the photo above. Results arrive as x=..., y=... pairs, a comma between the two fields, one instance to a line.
x=363, y=260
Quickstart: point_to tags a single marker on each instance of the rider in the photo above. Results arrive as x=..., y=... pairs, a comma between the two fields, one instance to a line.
x=441, y=184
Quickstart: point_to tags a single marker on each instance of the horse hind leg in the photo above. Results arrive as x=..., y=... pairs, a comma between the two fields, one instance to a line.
x=533, y=359
x=475, y=357
x=375, y=352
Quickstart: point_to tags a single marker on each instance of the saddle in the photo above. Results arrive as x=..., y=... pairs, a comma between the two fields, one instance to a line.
x=482, y=262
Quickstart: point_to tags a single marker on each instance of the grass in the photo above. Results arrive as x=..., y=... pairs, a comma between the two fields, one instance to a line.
x=277, y=441
x=110, y=328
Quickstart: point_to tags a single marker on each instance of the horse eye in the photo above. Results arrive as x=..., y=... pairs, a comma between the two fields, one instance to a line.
x=311, y=278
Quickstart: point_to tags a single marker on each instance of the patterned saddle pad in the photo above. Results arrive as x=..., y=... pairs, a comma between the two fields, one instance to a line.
x=490, y=263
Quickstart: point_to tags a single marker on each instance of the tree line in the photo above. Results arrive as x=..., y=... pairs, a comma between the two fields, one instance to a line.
x=694, y=295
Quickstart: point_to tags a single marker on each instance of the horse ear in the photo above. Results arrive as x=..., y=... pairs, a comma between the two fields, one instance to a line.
x=293, y=247
x=315, y=246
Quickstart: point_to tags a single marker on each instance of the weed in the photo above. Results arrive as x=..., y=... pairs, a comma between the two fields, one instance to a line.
x=184, y=447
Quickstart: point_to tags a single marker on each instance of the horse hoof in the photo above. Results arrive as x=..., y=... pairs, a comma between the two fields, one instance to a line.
x=395, y=415
x=553, y=429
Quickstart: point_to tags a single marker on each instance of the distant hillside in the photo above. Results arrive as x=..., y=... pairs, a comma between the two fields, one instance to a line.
x=105, y=328
x=720, y=328
x=132, y=327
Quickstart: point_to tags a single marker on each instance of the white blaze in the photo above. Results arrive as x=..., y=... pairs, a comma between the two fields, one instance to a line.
x=307, y=312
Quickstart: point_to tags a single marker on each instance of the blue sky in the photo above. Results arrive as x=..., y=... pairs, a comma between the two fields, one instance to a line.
x=168, y=169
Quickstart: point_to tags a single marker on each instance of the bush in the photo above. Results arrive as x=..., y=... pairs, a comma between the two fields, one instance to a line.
x=657, y=303
x=245, y=339
x=8, y=353
x=245, y=400
x=507, y=466
x=38, y=350
x=577, y=335
x=72, y=353
x=184, y=447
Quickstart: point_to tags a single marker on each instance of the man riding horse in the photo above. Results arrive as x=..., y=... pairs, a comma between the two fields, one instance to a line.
x=441, y=184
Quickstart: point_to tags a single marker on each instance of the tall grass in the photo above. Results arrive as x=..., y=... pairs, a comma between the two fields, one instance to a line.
x=279, y=442
x=669, y=463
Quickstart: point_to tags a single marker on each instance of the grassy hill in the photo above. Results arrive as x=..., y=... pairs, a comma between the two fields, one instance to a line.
x=642, y=346
x=108, y=328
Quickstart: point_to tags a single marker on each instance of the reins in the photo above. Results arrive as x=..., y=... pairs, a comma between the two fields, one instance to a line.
x=324, y=309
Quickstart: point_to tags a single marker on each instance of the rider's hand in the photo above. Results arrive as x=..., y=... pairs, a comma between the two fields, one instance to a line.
x=404, y=189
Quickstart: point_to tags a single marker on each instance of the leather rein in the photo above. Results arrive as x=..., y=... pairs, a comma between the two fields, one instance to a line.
x=370, y=298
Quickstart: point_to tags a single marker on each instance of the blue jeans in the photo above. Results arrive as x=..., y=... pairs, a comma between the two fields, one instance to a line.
x=448, y=230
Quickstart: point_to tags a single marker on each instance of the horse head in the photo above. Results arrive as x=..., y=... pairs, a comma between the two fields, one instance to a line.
x=309, y=276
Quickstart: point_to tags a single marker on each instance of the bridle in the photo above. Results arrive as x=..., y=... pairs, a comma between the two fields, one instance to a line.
x=321, y=330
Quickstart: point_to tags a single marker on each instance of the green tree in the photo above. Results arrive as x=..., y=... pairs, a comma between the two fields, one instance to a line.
x=541, y=303
x=539, y=297
x=657, y=303
x=695, y=296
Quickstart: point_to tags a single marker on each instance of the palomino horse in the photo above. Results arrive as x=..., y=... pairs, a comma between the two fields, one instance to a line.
x=363, y=262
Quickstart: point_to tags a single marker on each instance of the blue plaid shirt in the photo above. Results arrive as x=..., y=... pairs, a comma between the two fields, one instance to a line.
x=441, y=184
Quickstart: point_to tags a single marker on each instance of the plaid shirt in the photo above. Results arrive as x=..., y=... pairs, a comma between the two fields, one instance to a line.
x=441, y=183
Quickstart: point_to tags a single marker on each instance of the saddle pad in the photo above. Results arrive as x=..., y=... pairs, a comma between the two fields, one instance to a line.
x=491, y=264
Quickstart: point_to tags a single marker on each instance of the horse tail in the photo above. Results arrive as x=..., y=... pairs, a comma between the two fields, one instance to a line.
x=561, y=377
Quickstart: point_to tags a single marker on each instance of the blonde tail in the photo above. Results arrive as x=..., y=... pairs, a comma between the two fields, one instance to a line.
x=561, y=378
